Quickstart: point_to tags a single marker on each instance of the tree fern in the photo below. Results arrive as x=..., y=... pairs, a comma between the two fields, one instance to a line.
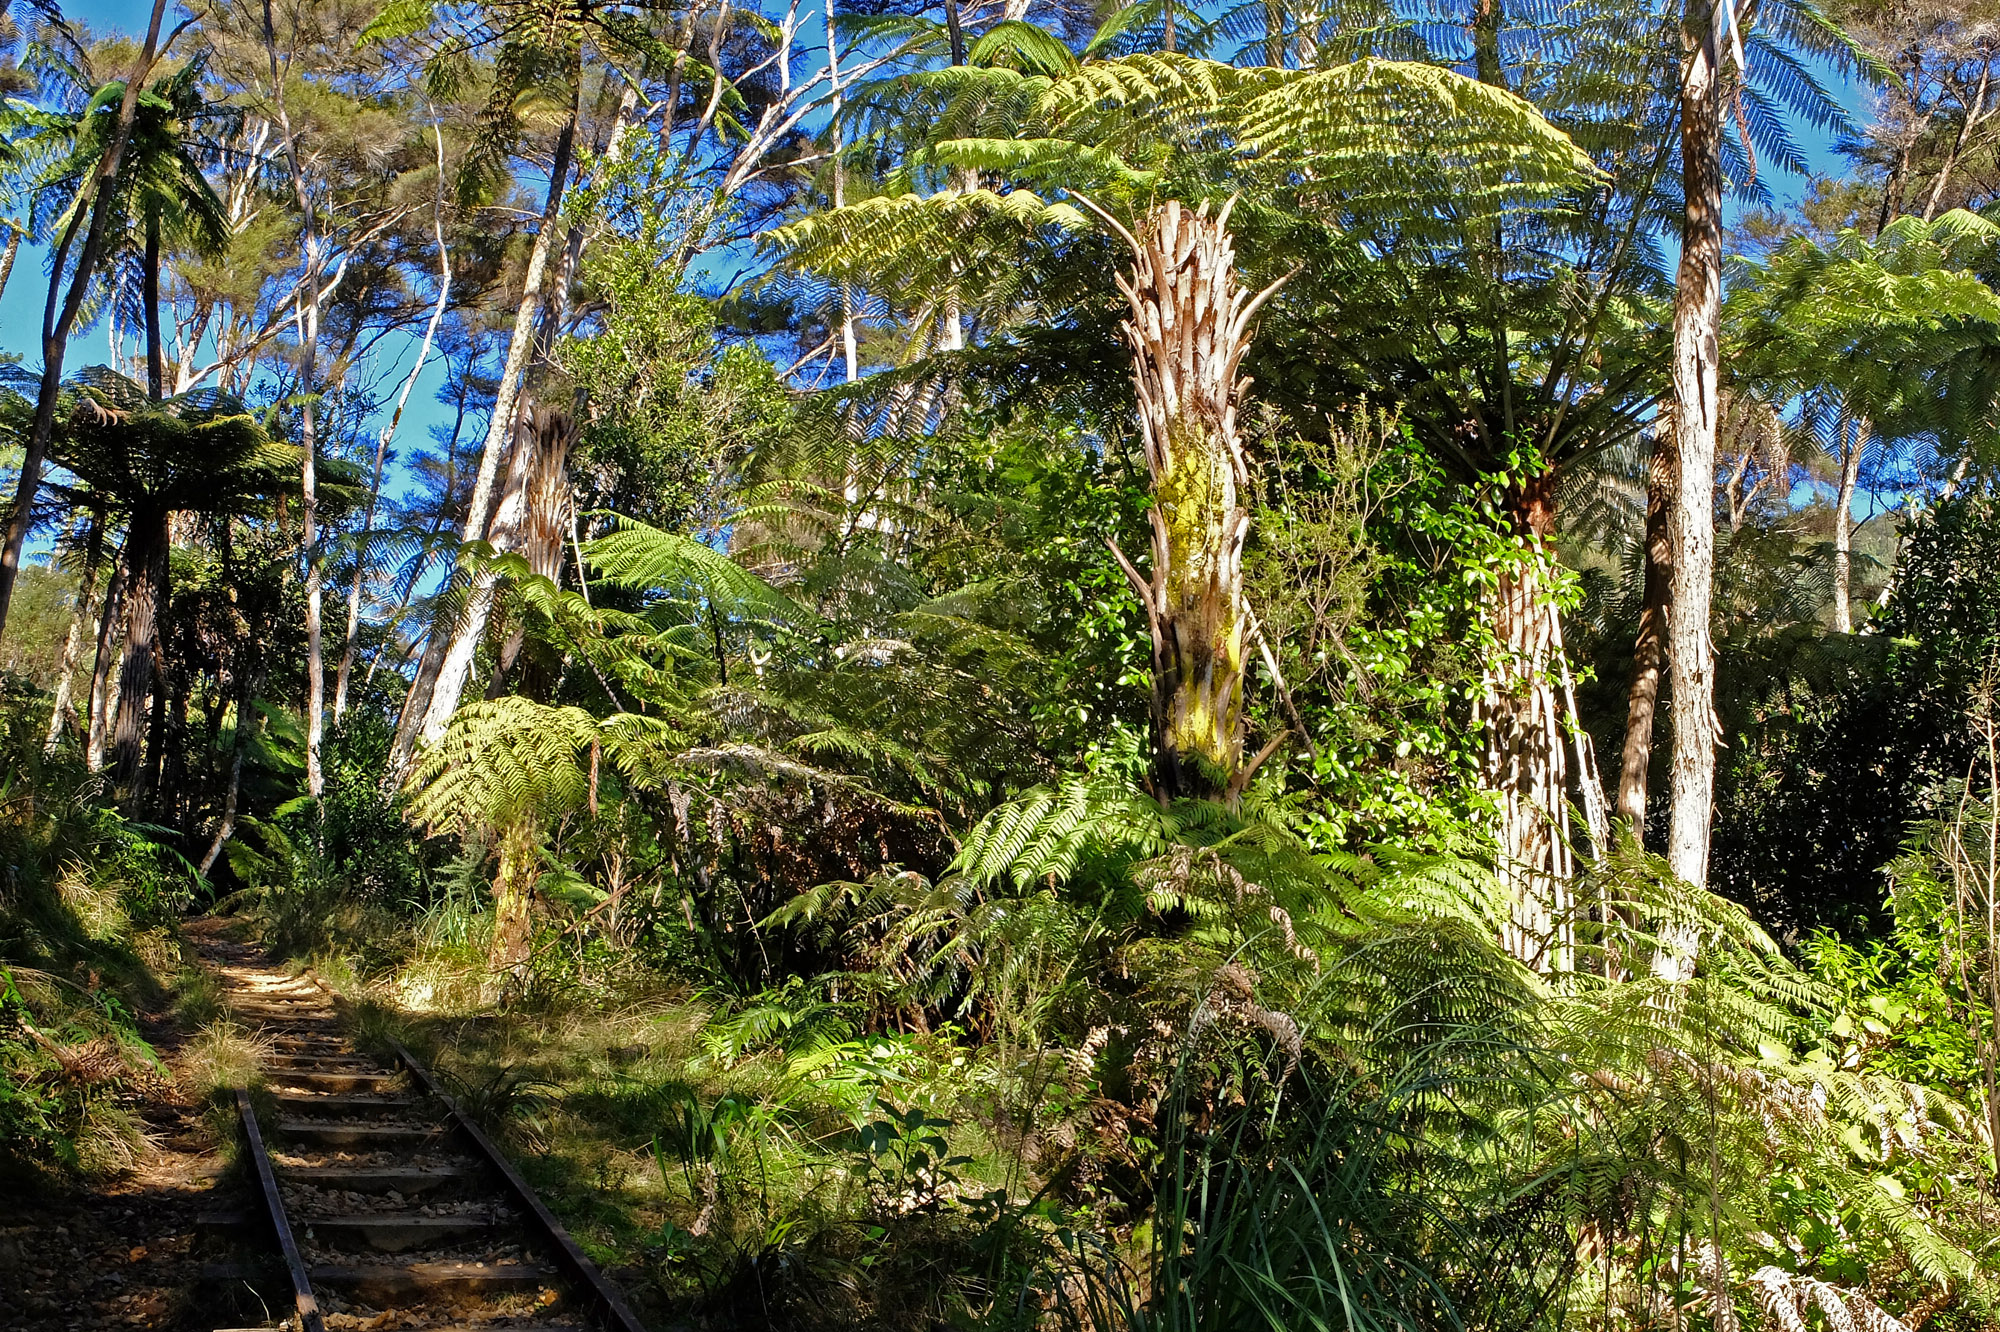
x=1118, y=131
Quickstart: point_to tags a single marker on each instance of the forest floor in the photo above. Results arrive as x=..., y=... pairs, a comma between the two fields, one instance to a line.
x=120, y=1252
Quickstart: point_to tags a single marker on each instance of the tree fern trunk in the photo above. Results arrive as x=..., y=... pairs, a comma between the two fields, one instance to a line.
x=1525, y=759
x=109, y=621
x=512, y=947
x=1189, y=332
x=14, y=234
x=146, y=576
x=541, y=527
x=1691, y=526
x=1649, y=652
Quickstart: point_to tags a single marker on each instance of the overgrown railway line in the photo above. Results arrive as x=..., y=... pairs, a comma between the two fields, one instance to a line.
x=391, y=1208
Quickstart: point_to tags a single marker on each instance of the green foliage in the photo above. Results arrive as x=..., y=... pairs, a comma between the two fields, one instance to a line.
x=679, y=411
x=40, y=613
x=1124, y=132
x=1850, y=743
x=867, y=986
x=84, y=918
x=1895, y=326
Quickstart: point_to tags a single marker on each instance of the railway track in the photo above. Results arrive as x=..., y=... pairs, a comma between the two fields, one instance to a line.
x=391, y=1209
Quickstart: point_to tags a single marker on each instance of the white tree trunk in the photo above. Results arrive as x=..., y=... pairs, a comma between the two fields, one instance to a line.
x=306, y=304
x=448, y=662
x=1691, y=525
x=1853, y=444
x=80, y=622
x=382, y=449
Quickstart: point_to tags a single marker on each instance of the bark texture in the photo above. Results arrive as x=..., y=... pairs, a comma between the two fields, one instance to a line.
x=513, y=920
x=1691, y=525
x=146, y=551
x=1649, y=652
x=1525, y=762
x=538, y=526
x=1189, y=330
x=14, y=234
x=1855, y=442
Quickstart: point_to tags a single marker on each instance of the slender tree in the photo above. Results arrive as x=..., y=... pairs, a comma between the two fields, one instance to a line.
x=306, y=310
x=82, y=618
x=1649, y=653
x=89, y=215
x=1696, y=367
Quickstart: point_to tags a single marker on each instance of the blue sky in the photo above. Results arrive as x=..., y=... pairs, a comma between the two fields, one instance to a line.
x=20, y=306
x=21, y=303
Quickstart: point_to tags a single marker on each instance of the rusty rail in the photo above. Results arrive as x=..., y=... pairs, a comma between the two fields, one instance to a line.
x=303, y=1298
x=567, y=1251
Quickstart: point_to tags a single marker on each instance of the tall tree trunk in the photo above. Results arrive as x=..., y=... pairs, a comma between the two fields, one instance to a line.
x=850, y=352
x=1894, y=188
x=79, y=625
x=306, y=315
x=1649, y=652
x=146, y=551
x=309, y=543
x=110, y=622
x=1526, y=761
x=1854, y=442
x=246, y=690
x=226, y=828
x=1691, y=524
x=427, y=712
x=59, y=318
x=1189, y=330
x=165, y=733
x=149, y=278
x=537, y=525
x=951, y=333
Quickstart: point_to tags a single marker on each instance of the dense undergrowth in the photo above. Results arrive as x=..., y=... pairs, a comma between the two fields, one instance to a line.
x=1204, y=1076
x=1118, y=1065
x=89, y=912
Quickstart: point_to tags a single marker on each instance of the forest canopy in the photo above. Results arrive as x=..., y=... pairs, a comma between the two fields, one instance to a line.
x=1044, y=664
